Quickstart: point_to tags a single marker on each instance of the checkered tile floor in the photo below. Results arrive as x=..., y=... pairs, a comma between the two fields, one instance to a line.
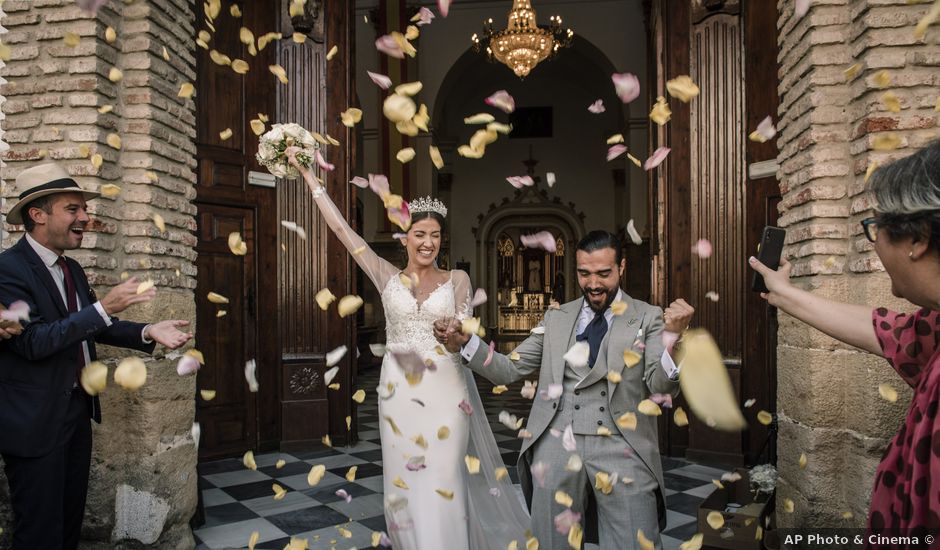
x=239, y=501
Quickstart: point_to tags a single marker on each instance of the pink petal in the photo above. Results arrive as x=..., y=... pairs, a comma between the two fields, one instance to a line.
x=703, y=249
x=90, y=5
x=615, y=151
x=415, y=464
x=539, y=470
x=542, y=239
x=567, y=440
x=18, y=311
x=402, y=215
x=410, y=362
x=801, y=7
x=380, y=80
x=663, y=399
x=187, y=366
x=566, y=520
x=502, y=101
x=627, y=86
x=443, y=6
x=597, y=107
x=385, y=541
x=554, y=391
x=344, y=495
x=360, y=181
x=520, y=181
x=389, y=46
x=659, y=155
x=766, y=128
x=479, y=298
x=495, y=491
x=425, y=16
x=489, y=354
x=379, y=185
x=399, y=235
x=322, y=163
x=465, y=407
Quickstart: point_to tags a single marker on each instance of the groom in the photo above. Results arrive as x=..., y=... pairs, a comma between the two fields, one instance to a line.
x=611, y=436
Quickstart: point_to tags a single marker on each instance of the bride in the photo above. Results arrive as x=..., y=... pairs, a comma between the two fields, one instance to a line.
x=433, y=428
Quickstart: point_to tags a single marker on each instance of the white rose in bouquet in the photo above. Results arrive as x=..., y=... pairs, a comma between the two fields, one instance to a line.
x=273, y=143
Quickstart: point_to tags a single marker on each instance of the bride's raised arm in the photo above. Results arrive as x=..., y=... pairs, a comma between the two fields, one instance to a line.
x=375, y=267
x=463, y=294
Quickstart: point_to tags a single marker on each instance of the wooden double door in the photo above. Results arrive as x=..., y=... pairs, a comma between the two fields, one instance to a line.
x=271, y=317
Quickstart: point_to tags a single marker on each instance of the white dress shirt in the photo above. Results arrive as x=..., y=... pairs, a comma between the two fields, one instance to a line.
x=584, y=319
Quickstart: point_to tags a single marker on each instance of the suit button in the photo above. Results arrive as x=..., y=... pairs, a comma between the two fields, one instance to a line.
x=602, y=409
x=577, y=392
x=577, y=407
x=603, y=393
x=554, y=405
x=600, y=422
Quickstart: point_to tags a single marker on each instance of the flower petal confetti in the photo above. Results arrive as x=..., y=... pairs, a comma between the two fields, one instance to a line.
x=380, y=80
x=578, y=355
x=479, y=118
x=660, y=113
x=216, y=298
x=702, y=248
x=350, y=117
x=520, y=181
x=279, y=72
x=406, y=155
x=627, y=86
x=236, y=245
x=359, y=396
x=316, y=475
x=502, y=101
x=207, y=395
x=423, y=17
x=391, y=47
x=250, y=368
x=706, y=385
x=94, y=377
x=399, y=108
x=631, y=358
x=627, y=421
x=932, y=16
x=597, y=107
x=465, y=407
x=800, y=7
x=680, y=417
x=543, y=240
x=130, y=374
x=682, y=88
x=248, y=459
x=349, y=305
x=279, y=492
x=886, y=142
x=657, y=158
x=333, y=357
x=189, y=363
x=186, y=90
x=632, y=232
x=765, y=131
x=332, y=53
x=615, y=151
x=715, y=520
x=888, y=393
x=443, y=6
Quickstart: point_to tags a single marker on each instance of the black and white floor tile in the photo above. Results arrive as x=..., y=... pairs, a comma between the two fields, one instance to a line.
x=239, y=501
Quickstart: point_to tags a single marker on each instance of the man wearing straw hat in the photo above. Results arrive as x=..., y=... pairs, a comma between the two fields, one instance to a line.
x=53, y=321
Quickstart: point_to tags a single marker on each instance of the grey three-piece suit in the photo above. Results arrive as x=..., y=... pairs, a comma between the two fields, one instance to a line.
x=589, y=402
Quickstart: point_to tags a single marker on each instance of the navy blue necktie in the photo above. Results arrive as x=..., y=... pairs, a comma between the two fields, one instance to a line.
x=594, y=334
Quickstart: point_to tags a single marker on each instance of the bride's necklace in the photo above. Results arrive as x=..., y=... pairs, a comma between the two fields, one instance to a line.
x=422, y=287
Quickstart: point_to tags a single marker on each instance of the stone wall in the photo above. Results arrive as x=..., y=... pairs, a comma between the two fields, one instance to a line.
x=827, y=397
x=143, y=479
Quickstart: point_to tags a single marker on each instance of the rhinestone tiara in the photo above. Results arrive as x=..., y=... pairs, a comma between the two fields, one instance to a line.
x=427, y=204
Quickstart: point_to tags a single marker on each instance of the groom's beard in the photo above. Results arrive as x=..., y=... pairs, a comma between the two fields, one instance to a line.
x=608, y=299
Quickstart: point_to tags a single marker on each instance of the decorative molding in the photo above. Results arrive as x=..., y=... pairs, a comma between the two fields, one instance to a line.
x=304, y=381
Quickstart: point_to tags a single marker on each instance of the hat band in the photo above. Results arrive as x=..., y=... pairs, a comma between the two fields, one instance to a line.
x=64, y=183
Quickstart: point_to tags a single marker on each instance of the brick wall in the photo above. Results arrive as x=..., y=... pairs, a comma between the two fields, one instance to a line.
x=828, y=398
x=143, y=454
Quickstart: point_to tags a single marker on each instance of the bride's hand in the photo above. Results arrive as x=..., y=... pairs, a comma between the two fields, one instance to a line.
x=291, y=154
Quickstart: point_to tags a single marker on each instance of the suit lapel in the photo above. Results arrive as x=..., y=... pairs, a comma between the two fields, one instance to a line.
x=42, y=272
x=81, y=283
x=565, y=323
x=624, y=331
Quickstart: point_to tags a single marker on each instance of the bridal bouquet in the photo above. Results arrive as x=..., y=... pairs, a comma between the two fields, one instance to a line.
x=274, y=142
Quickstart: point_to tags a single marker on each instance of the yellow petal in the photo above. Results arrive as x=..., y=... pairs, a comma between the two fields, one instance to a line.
x=479, y=118
x=279, y=72
x=501, y=473
x=891, y=102
x=279, y=491
x=349, y=305
x=332, y=53
x=614, y=377
x=438, y=160
x=564, y=499
x=257, y=126
x=351, y=116
x=110, y=190
x=240, y=66
x=186, y=90
x=694, y=543
x=631, y=358
x=114, y=141
x=398, y=108
x=392, y=425
x=575, y=534
x=248, y=459
x=661, y=113
x=158, y=221
x=682, y=88
x=326, y=440
x=473, y=464
x=348, y=423
x=299, y=37
x=225, y=134
x=870, y=170
x=499, y=127
x=932, y=15
x=316, y=475
x=882, y=78
x=351, y=473
x=618, y=307
x=324, y=298
x=627, y=421
x=765, y=418
x=407, y=128
x=71, y=39
x=84, y=151
x=280, y=464
x=331, y=141
x=94, y=377
x=359, y=396
x=207, y=395
x=448, y=495
x=217, y=298
x=852, y=71
x=376, y=538
x=649, y=408
x=221, y=313
x=887, y=392
x=614, y=139
x=400, y=483
x=235, y=10
x=152, y=176
x=443, y=433
x=220, y=58
x=110, y=35
x=409, y=88
x=255, y=535
x=885, y=142
x=405, y=155
x=144, y=286
x=334, y=386
x=937, y=106
x=680, y=418
x=245, y=36
x=514, y=356
x=847, y=515
x=645, y=543
x=499, y=389
x=803, y=461
x=422, y=118
x=706, y=385
x=634, y=160
x=345, y=533
x=412, y=32
x=715, y=520
x=96, y=160
x=788, y=506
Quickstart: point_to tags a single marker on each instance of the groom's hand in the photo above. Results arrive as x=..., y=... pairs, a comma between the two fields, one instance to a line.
x=678, y=316
x=450, y=335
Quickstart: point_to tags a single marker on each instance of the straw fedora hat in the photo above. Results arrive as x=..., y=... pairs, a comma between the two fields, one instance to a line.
x=40, y=181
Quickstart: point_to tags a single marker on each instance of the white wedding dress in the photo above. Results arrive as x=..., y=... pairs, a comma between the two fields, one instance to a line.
x=432, y=502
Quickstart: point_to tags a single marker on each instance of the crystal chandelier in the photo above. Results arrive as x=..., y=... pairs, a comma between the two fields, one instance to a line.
x=522, y=44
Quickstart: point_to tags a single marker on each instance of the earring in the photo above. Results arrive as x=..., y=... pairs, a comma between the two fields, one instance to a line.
x=910, y=254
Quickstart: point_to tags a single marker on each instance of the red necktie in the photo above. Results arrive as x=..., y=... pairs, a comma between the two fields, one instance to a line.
x=72, y=306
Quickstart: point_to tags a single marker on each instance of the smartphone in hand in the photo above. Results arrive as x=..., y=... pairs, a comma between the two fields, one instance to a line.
x=768, y=252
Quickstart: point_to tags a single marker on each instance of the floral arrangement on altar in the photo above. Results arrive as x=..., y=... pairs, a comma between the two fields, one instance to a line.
x=275, y=142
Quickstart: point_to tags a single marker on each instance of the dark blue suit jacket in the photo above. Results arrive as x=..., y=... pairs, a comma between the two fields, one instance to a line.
x=37, y=367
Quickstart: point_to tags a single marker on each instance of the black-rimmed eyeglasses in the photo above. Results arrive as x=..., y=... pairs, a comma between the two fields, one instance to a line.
x=870, y=228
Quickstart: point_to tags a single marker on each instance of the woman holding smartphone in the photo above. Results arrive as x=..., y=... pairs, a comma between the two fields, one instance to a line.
x=906, y=235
